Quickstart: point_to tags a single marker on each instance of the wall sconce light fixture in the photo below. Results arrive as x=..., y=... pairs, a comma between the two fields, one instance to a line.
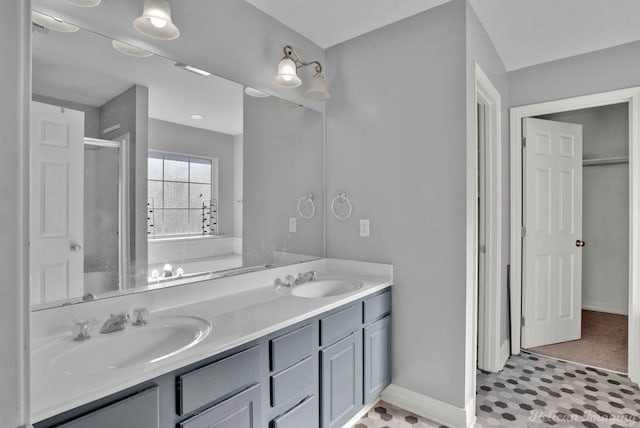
x=288, y=75
x=155, y=21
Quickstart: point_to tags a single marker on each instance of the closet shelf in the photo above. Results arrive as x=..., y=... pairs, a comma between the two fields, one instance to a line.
x=605, y=161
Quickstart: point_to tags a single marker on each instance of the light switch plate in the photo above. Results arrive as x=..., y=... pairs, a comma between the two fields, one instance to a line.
x=364, y=227
x=292, y=225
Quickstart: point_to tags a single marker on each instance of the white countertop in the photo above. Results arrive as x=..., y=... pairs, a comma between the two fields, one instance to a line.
x=236, y=318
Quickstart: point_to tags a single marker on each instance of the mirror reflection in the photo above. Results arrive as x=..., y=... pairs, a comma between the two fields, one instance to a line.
x=146, y=172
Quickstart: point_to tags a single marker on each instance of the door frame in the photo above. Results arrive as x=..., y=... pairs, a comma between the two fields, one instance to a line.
x=631, y=96
x=488, y=300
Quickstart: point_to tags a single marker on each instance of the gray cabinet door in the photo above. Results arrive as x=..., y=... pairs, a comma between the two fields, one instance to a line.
x=341, y=377
x=239, y=411
x=138, y=411
x=377, y=358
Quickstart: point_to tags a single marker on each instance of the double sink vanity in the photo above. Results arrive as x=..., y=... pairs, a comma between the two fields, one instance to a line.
x=304, y=345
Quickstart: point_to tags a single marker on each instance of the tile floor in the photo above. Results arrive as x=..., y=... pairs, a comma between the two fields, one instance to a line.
x=535, y=391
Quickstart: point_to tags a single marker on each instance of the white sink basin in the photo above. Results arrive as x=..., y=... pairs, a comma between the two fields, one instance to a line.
x=161, y=338
x=322, y=287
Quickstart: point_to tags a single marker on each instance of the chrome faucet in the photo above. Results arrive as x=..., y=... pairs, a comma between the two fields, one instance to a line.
x=115, y=323
x=306, y=277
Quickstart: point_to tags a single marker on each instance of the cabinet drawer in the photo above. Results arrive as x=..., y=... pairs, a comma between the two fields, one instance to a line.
x=239, y=411
x=340, y=324
x=224, y=377
x=290, y=348
x=137, y=411
x=304, y=415
x=376, y=307
x=294, y=380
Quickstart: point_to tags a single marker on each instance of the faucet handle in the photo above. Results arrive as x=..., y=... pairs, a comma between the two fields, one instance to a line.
x=141, y=315
x=81, y=331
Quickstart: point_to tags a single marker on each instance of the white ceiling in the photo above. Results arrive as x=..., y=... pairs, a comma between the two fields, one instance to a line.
x=329, y=22
x=529, y=32
x=524, y=32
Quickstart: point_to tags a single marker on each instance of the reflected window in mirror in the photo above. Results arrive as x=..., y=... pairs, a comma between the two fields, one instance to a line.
x=182, y=196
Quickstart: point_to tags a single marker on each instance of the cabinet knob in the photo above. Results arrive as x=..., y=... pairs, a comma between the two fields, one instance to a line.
x=580, y=243
x=76, y=248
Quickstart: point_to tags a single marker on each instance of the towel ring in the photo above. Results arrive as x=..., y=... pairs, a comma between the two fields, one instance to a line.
x=308, y=198
x=343, y=199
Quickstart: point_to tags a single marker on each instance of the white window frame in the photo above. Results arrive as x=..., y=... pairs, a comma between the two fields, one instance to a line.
x=214, y=191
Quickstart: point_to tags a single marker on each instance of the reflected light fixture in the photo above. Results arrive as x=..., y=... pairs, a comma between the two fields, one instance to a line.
x=84, y=3
x=257, y=93
x=155, y=21
x=53, y=23
x=287, y=75
x=196, y=116
x=192, y=69
x=130, y=50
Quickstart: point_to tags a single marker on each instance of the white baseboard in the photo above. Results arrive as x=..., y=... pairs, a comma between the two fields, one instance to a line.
x=505, y=352
x=360, y=414
x=609, y=309
x=430, y=408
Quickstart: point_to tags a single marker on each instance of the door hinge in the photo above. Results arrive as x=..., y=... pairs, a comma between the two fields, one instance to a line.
x=524, y=142
x=524, y=231
x=483, y=249
x=522, y=321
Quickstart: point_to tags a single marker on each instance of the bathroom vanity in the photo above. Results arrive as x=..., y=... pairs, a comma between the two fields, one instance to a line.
x=270, y=359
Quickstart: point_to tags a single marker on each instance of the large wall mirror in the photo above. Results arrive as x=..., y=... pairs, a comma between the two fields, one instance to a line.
x=147, y=173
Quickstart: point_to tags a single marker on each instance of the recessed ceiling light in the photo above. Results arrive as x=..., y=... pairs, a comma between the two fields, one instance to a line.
x=253, y=92
x=53, y=23
x=130, y=50
x=192, y=69
x=84, y=3
x=197, y=116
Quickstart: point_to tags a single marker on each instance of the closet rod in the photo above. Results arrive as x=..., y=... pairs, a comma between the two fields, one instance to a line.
x=605, y=161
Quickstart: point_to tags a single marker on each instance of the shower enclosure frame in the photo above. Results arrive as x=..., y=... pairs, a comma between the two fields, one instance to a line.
x=123, y=204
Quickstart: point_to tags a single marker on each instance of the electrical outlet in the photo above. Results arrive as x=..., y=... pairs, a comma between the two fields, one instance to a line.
x=292, y=225
x=364, y=227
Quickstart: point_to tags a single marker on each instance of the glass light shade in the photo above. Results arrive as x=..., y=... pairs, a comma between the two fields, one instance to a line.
x=53, y=23
x=130, y=50
x=155, y=21
x=287, y=75
x=253, y=92
x=317, y=89
x=84, y=3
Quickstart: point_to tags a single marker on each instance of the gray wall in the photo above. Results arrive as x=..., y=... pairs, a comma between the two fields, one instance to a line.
x=480, y=49
x=605, y=207
x=282, y=162
x=131, y=111
x=396, y=143
x=172, y=137
x=590, y=73
x=15, y=87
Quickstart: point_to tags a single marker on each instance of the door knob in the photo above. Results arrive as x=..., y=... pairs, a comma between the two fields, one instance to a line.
x=75, y=248
x=580, y=243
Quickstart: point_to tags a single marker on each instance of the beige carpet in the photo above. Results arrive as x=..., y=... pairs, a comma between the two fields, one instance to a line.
x=603, y=344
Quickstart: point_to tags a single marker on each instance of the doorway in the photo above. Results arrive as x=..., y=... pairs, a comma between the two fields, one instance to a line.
x=491, y=348
x=629, y=99
x=598, y=248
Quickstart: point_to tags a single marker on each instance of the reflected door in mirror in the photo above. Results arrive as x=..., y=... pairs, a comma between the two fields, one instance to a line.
x=56, y=199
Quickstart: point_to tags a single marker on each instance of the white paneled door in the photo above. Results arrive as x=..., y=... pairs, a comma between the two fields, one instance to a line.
x=552, y=243
x=56, y=203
